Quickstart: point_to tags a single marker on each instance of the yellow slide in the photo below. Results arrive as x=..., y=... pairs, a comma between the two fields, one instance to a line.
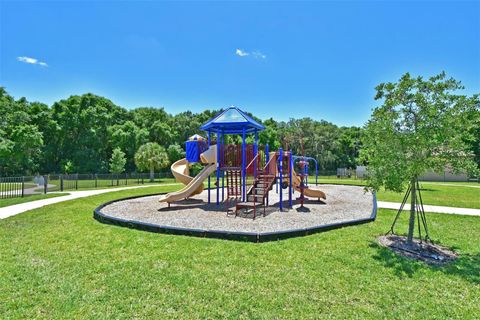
x=194, y=185
x=180, y=171
x=313, y=193
x=190, y=188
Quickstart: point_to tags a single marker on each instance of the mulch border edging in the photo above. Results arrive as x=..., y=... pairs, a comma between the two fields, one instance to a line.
x=221, y=234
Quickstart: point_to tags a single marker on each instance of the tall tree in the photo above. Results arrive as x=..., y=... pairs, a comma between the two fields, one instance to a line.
x=128, y=137
x=175, y=152
x=422, y=124
x=81, y=131
x=270, y=135
x=20, y=139
x=349, y=143
x=151, y=156
x=161, y=133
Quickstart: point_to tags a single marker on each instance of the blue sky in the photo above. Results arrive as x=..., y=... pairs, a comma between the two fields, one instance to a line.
x=281, y=60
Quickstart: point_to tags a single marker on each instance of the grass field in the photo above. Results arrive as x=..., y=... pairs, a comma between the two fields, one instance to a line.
x=442, y=195
x=71, y=185
x=450, y=194
x=58, y=262
x=12, y=201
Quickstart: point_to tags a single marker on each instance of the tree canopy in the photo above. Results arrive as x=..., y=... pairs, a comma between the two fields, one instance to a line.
x=422, y=124
x=79, y=134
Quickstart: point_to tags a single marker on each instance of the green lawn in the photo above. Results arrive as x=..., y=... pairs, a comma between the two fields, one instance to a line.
x=12, y=201
x=442, y=195
x=450, y=194
x=58, y=262
x=71, y=185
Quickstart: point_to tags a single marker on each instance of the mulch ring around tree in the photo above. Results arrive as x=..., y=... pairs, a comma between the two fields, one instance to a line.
x=427, y=252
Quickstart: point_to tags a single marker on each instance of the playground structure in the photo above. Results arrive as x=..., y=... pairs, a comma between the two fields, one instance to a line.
x=240, y=179
x=245, y=174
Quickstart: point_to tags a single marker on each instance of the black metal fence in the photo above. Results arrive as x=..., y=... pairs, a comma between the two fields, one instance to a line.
x=13, y=187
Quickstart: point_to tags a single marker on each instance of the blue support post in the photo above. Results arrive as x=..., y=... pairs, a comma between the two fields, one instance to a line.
x=280, y=168
x=223, y=172
x=276, y=178
x=316, y=173
x=290, y=164
x=244, y=166
x=218, y=166
x=208, y=143
x=255, y=153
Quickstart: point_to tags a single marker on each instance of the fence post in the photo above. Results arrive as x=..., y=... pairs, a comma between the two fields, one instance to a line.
x=96, y=183
x=61, y=182
x=126, y=179
x=76, y=182
x=45, y=184
x=23, y=186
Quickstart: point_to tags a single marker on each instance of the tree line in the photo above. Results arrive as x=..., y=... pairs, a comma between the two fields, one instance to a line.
x=91, y=134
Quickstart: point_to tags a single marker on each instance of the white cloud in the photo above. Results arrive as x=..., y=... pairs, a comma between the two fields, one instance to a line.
x=241, y=53
x=254, y=54
x=259, y=55
x=32, y=61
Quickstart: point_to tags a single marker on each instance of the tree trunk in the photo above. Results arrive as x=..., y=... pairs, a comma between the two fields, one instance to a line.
x=152, y=176
x=413, y=201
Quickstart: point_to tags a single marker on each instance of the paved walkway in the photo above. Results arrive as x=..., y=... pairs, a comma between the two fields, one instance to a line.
x=435, y=209
x=9, y=211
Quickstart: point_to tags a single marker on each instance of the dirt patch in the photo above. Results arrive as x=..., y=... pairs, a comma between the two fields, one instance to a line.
x=421, y=251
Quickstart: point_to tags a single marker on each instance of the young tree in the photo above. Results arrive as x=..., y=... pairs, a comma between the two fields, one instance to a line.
x=422, y=124
x=68, y=167
x=117, y=161
x=151, y=156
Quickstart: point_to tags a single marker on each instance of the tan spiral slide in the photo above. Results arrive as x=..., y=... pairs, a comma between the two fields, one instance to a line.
x=193, y=185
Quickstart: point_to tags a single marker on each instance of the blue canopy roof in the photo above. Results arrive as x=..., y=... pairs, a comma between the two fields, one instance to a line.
x=232, y=121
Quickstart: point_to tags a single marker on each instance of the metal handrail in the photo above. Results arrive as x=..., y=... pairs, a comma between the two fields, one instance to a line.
x=251, y=162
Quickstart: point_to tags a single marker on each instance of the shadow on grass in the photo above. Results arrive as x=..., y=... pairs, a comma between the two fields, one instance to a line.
x=428, y=189
x=466, y=266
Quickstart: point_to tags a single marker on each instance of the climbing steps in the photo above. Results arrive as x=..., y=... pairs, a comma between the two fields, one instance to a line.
x=257, y=195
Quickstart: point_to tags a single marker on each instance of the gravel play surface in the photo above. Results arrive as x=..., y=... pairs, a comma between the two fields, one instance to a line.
x=344, y=203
